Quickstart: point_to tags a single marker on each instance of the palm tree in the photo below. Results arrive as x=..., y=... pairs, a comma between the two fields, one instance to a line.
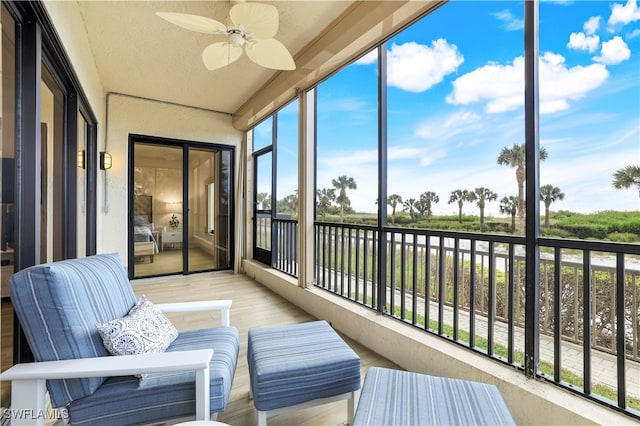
x=627, y=177
x=509, y=205
x=460, y=196
x=342, y=184
x=548, y=195
x=482, y=195
x=515, y=157
x=393, y=200
x=428, y=199
x=291, y=204
x=410, y=206
x=325, y=197
x=264, y=200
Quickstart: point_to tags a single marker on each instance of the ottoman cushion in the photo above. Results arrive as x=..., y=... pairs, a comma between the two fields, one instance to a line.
x=298, y=363
x=393, y=397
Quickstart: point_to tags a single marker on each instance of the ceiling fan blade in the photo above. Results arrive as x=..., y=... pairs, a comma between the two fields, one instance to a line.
x=218, y=55
x=259, y=20
x=270, y=53
x=197, y=23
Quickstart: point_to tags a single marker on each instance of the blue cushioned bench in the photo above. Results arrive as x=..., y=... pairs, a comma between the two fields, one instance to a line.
x=299, y=366
x=392, y=397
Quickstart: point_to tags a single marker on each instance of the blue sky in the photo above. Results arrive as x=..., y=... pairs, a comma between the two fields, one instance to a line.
x=455, y=99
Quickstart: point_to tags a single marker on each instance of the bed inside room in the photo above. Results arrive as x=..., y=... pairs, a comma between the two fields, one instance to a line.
x=144, y=240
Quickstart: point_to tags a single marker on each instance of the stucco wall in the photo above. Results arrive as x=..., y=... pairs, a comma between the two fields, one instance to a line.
x=66, y=17
x=118, y=116
x=129, y=115
x=531, y=402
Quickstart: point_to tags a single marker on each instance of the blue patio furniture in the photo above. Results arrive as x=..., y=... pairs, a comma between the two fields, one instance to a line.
x=402, y=398
x=298, y=366
x=59, y=306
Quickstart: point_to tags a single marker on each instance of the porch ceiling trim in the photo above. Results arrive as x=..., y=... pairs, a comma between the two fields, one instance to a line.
x=361, y=27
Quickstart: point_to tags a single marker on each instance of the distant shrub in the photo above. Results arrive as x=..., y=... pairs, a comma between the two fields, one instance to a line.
x=623, y=237
x=586, y=231
x=497, y=227
x=556, y=233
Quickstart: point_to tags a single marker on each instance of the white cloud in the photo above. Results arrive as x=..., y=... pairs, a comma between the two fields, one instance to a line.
x=511, y=23
x=580, y=41
x=402, y=152
x=415, y=67
x=624, y=14
x=430, y=156
x=369, y=58
x=613, y=52
x=502, y=86
x=450, y=126
x=633, y=34
x=591, y=26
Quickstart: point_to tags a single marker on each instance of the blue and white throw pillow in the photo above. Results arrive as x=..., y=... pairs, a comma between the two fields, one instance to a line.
x=143, y=330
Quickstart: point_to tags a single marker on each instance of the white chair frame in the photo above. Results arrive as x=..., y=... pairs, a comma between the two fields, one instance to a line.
x=28, y=380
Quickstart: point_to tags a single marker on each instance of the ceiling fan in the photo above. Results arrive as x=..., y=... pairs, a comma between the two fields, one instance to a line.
x=253, y=26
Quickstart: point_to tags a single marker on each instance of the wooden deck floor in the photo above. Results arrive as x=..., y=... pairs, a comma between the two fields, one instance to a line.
x=253, y=306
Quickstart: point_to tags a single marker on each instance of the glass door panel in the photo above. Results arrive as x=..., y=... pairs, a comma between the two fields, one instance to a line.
x=52, y=179
x=263, y=207
x=156, y=222
x=83, y=128
x=7, y=193
x=209, y=210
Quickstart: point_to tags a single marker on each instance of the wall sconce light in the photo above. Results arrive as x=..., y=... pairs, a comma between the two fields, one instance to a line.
x=81, y=159
x=105, y=160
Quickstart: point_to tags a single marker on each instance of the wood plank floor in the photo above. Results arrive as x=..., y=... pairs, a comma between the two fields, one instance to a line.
x=169, y=261
x=253, y=306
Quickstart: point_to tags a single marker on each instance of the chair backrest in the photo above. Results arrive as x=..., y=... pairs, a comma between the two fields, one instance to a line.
x=59, y=304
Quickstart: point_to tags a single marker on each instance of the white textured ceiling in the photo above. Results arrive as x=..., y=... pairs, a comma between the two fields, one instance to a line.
x=139, y=54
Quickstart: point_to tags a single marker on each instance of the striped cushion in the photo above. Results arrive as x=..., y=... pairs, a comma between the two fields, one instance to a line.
x=68, y=298
x=392, y=397
x=299, y=363
x=162, y=396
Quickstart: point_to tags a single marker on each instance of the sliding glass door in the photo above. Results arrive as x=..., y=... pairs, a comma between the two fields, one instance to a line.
x=209, y=214
x=180, y=219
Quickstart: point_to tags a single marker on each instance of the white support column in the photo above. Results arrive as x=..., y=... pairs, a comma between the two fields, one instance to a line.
x=249, y=196
x=306, y=185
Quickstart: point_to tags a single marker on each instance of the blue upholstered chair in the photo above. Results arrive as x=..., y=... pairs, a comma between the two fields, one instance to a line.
x=59, y=306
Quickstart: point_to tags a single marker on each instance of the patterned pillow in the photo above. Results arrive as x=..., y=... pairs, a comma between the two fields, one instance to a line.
x=143, y=330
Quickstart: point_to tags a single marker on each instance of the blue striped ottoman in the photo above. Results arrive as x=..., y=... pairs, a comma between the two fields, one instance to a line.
x=299, y=366
x=393, y=397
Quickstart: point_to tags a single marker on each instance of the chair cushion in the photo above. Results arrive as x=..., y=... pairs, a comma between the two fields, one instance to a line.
x=58, y=306
x=298, y=363
x=143, y=330
x=163, y=396
x=393, y=397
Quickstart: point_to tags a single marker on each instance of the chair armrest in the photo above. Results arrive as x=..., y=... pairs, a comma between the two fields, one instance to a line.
x=224, y=306
x=107, y=366
x=28, y=379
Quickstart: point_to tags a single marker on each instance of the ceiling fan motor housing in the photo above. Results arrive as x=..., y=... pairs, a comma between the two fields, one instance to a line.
x=237, y=37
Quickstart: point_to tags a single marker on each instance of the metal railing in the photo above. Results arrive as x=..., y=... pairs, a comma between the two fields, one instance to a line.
x=285, y=249
x=262, y=232
x=434, y=278
x=471, y=288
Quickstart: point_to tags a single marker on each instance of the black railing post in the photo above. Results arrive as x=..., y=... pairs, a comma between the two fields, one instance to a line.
x=532, y=157
x=620, y=330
